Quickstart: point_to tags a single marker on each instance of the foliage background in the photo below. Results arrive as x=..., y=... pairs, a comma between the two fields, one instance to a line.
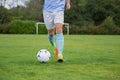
x=85, y=16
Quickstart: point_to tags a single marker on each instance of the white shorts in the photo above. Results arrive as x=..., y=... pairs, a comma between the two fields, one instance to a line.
x=51, y=18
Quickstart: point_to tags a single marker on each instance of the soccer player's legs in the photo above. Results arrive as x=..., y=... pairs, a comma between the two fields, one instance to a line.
x=49, y=22
x=51, y=36
x=60, y=44
x=59, y=19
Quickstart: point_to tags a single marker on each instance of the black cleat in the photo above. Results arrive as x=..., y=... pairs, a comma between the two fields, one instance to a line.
x=60, y=60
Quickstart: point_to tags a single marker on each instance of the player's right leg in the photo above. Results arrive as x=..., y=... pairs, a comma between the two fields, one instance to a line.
x=51, y=36
x=49, y=22
x=51, y=40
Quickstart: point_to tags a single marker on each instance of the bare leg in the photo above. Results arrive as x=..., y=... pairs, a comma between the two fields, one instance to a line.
x=58, y=28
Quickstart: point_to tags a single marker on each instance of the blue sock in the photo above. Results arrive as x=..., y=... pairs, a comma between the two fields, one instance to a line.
x=51, y=40
x=60, y=42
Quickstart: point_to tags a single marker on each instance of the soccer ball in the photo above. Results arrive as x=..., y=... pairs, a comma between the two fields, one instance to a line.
x=43, y=55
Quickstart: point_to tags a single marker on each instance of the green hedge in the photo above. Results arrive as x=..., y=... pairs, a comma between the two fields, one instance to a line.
x=4, y=28
x=108, y=27
x=22, y=27
x=25, y=27
x=42, y=29
x=28, y=27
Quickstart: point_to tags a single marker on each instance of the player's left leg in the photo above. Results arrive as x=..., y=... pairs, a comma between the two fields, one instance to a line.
x=59, y=20
x=59, y=41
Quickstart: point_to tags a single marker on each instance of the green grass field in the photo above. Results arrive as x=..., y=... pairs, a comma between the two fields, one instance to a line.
x=87, y=57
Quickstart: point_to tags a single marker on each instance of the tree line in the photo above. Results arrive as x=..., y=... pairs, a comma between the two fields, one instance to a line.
x=85, y=16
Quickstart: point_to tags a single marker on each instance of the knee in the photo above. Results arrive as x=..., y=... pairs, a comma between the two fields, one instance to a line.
x=58, y=31
x=50, y=32
x=58, y=28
